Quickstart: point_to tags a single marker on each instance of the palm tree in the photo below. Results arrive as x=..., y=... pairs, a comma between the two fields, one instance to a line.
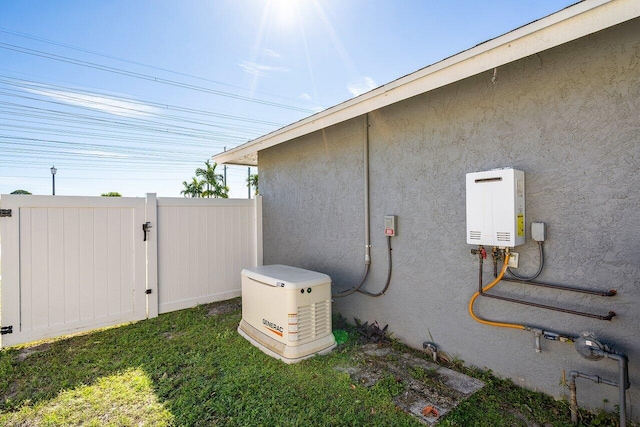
x=252, y=181
x=193, y=188
x=214, y=182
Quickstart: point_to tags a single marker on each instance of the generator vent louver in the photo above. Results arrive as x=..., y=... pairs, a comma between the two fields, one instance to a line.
x=314, y=320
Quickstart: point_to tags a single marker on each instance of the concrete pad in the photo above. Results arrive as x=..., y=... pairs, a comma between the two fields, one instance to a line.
x=426, y=383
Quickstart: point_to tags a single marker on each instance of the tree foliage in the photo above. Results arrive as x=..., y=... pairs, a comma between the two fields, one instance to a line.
x=192, y=188
x=252, y=181
x=20, y=192
x=210, y=184
x=111, y=194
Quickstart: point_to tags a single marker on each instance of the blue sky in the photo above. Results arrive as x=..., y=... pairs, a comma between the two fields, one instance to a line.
x=133, y=96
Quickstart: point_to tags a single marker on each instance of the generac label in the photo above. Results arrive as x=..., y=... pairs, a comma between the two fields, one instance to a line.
x=272, y=327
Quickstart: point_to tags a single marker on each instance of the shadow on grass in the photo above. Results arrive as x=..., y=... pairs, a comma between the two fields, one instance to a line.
x=199, y=369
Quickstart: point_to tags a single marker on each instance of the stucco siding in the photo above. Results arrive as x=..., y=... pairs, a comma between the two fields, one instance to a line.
x=570, y=118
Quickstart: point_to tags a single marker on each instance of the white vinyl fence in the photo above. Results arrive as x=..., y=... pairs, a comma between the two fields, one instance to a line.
x=203, y=245
x=71, y=264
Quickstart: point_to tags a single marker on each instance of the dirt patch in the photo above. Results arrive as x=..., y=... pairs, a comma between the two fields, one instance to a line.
x=430, y=390
x=225, y=307
x=28, y=351
x=172, y=335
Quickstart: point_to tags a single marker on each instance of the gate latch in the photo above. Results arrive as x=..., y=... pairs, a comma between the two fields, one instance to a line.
x=146, y=228
x=5, y=212
x=6, y=330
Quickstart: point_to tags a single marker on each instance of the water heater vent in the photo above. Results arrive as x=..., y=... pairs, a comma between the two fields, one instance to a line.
x=503, y=236
x=475, y=235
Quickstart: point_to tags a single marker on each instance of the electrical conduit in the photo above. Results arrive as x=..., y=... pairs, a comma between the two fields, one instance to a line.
x=367, y=237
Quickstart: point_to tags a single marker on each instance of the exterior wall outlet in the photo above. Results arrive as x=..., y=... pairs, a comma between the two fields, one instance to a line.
x=390, y=222
x=538, y=231
x=513, y=259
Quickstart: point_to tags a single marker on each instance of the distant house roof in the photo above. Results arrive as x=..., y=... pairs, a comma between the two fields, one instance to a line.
x=571, y=23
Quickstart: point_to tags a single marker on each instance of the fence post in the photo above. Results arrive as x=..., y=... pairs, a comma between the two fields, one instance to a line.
x=258, y=239
x=10, y=259
x=151, y=216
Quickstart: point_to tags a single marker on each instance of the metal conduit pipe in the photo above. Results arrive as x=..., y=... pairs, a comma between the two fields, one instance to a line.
x=367, y=233
x=367, y=213
x=356, y=288
x=622, y=384
x=538, y=333
x=608, y=316
x=609, y=293
x=389, y=270
x=588, y=346
x=573, y=390
x=495, y=255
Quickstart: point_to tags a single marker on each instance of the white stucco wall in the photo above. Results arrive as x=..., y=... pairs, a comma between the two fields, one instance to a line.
x=570, y=118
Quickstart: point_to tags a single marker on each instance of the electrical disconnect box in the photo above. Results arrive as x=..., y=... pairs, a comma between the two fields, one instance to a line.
x=390, y=225
x=495, y=208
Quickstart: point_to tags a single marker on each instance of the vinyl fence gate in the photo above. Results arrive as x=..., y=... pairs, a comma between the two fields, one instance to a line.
x=72, y=264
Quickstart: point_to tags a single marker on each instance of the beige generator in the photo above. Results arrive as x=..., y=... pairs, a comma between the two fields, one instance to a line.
x=286, y=312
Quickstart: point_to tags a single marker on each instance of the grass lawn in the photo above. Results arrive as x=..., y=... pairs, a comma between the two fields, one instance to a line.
x=191, y=368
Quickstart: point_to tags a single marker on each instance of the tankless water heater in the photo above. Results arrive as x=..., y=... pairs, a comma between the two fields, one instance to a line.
x=495, y=208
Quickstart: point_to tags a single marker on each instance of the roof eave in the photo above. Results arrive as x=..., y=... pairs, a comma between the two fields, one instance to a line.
x=569, y=24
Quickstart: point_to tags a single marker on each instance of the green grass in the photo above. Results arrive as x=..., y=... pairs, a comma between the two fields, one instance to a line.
x=188, y=368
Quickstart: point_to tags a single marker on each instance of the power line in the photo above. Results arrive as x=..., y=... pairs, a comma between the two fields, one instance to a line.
x=133, y=129
x=87, y=64
x=126, y=121
x=49, y=143
x=162, y=105
x=92, y=52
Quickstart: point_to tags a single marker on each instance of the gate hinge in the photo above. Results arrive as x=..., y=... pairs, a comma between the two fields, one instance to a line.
x=148, y=291
x=6, y=330
x=5, y=212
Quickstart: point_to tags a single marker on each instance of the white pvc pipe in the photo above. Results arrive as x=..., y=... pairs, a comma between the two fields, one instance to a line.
x=367, y=241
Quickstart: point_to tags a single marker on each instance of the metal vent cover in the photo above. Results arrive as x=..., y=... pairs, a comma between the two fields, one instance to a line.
x=503, y=236
x=314, y=321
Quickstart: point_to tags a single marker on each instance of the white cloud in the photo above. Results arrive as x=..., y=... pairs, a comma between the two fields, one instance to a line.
x=363, y=85
x=259, y=70
x=271, y=53
x=102, y=154
x=305, y=96
x=118, y=107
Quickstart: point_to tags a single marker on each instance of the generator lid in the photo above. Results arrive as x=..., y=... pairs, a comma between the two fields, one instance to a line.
x=286, y=276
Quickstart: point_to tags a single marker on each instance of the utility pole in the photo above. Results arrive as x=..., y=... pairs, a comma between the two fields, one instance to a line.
x=249, y=181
